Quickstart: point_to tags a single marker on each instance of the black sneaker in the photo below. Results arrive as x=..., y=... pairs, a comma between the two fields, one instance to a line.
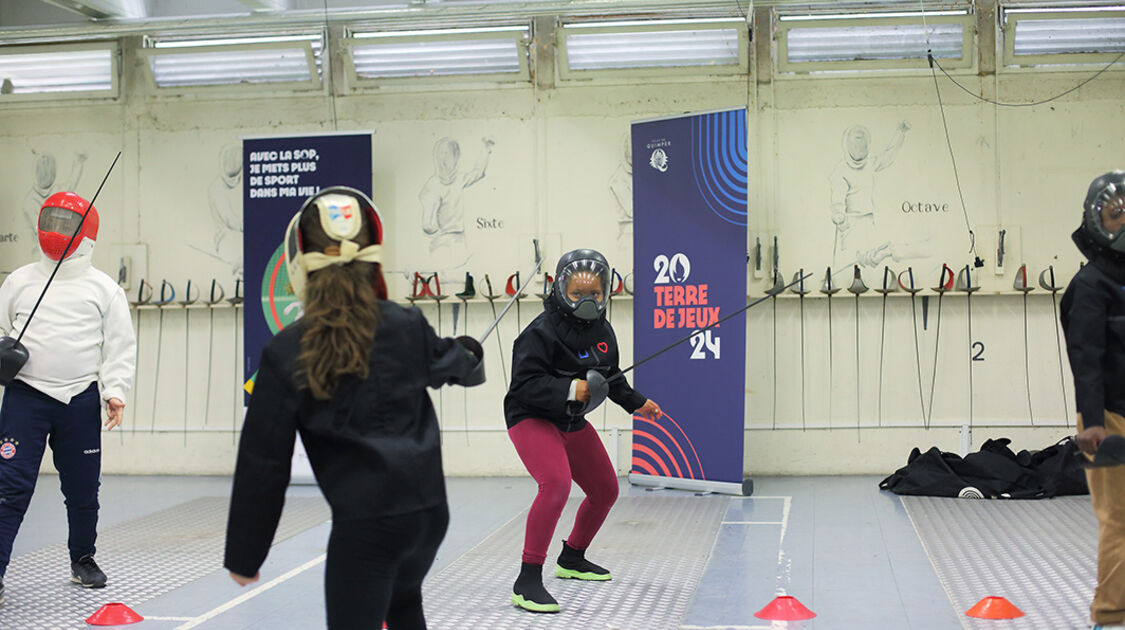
x=86, y=572
x=528, y=592
x=572, y=563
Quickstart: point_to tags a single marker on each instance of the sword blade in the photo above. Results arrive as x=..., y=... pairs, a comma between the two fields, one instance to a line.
x=512, y=300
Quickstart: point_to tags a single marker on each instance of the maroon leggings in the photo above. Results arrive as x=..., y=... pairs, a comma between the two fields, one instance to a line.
x=553, y=458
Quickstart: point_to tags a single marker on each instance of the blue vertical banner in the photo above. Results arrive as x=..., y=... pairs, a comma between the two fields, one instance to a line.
x=280, y=174
x=689, y=266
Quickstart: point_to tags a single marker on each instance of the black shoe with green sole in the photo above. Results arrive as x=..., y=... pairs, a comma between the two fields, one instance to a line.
x=573, y=564
x=528, y=592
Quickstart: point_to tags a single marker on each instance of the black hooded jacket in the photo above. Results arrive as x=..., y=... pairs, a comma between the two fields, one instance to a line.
x=555, y=349
x=375, y=447
x=1093, y=320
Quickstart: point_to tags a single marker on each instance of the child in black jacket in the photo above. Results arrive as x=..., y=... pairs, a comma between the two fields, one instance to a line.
x=544, y=411
x=351, y=377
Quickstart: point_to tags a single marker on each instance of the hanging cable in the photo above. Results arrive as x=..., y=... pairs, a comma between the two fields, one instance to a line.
x=953, y=159
x=934, y=62
x=956, y=178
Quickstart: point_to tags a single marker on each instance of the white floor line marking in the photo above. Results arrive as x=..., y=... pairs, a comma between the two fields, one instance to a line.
x=148, y=618
x=761, y=497
x=752, y=523
x=725, y=627
x=218, y=610
x=781, y=564
x=784, y=523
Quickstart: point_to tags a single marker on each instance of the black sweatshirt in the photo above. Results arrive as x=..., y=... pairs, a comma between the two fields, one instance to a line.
x=1093, y=320
x=375, y=447
x=543, y=366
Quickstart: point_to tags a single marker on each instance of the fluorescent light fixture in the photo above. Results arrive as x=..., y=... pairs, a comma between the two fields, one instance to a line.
x=1069, y=35
x=1090, y=9
x=179, y=62
x=439, y=31
x=57, y=71
x=230, y=68
x=629, y=23
x=653, y=49
x=234, y=41
x=869, y=16
x=437, y=57
x=874, y=42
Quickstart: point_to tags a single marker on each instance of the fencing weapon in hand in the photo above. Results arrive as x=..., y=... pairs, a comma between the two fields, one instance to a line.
x=599, y=385
x=13, y=354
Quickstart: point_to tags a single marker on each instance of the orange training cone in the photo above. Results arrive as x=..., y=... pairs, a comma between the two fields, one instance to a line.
x=994, y=608
x=785, y=608
x=115, y=614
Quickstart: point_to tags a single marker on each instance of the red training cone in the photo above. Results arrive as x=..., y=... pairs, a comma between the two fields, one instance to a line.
x=115, y=614
x=994, y=608
x=785, y=608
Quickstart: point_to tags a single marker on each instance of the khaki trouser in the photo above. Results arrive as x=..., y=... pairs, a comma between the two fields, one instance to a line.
x=1107, y=492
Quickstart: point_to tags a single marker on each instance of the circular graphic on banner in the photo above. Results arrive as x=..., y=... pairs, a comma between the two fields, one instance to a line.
x=279, y=304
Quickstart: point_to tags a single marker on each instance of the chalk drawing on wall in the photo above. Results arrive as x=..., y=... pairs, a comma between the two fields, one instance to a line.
x=224, y=202
x=46, y=182
x=855, y=217
x=621, y=186
x=443, y=203
x=224, y=198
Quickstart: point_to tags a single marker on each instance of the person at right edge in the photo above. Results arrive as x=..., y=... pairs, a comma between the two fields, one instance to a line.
x=1093, y=320
x=544, y=412
x=351, y=376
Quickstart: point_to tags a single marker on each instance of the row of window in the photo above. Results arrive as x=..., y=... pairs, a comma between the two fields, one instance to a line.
x=810, y=42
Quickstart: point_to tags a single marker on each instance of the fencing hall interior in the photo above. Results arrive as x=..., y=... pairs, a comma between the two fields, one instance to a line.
x=834, y=233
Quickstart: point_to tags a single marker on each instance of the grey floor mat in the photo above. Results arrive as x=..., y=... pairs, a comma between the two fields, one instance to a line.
x=656, y=548
x=1040, y=555
x=143, y=558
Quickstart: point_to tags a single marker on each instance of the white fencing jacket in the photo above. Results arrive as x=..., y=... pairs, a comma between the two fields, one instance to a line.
x=81, y=333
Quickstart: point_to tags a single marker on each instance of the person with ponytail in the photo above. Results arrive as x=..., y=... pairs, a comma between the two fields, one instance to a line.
x=350, y=376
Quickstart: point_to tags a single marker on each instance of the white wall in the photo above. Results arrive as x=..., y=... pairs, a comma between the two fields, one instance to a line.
x=1024, y=169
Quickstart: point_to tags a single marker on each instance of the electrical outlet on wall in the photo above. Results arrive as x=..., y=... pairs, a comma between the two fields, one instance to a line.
x=130, y=263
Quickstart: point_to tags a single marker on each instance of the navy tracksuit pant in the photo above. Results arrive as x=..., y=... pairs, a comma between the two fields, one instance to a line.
x=29, y=420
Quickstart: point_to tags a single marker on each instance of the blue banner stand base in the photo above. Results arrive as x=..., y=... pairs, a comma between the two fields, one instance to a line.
x=744, y=489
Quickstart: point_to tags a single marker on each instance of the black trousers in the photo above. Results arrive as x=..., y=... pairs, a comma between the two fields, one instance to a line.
x=375, y=567
x=29, y=420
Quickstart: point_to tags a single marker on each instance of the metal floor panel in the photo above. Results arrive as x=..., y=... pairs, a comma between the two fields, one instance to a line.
x=143, y=558
x=655, y=547
x=1040, y=555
